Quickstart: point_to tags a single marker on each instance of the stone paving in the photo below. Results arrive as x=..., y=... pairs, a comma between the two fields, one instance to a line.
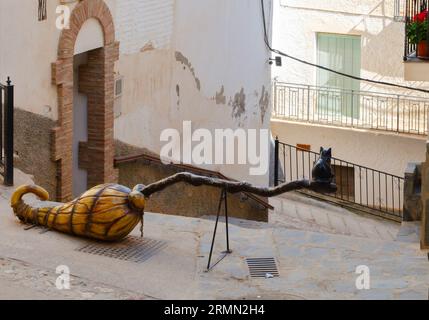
x=20, y=280
x=316, y=265
x=316, y=259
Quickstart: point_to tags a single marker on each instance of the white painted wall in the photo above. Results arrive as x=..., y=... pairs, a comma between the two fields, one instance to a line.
x=388, y=153
x=90, y=37
x=28, y=47
x=296, y=23
x=216, y=46
x=220, y=40
x=374, y=149
x=147, y=22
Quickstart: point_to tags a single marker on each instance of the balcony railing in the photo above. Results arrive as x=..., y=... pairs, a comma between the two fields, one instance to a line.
x=412, y=7
x=349, y=108
x=399, y=14
x=359, y=187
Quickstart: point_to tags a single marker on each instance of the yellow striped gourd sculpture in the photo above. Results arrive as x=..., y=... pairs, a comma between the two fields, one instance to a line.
x=110, y=212
x=107, y=212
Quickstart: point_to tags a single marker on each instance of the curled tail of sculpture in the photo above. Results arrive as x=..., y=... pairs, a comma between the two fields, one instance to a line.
x=22, y=210
x=23, y=190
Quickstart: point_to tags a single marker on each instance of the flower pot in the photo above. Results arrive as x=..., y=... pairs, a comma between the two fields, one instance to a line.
x=423, y=50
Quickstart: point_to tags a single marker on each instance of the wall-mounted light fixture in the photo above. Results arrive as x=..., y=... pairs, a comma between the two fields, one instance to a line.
x=278, y=61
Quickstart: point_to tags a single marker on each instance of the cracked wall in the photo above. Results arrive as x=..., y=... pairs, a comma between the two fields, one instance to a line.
x=179, y=59
x=201, y=75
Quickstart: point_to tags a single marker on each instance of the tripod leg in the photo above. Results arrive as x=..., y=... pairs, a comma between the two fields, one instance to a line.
x=228, y=250
x=215, y=229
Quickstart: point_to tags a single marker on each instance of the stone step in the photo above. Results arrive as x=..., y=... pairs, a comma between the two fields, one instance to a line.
x=299, y=212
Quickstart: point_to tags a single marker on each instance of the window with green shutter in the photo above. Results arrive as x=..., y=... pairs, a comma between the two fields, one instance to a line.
x=341, y=53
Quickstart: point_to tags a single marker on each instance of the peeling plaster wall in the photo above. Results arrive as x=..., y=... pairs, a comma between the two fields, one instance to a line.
x=203, y=61
x=296, y=23
x=225, y=72
x=144, y=30
x=213, y=72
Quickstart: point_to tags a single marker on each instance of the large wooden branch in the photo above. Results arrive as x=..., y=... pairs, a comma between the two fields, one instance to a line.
x=235, y=187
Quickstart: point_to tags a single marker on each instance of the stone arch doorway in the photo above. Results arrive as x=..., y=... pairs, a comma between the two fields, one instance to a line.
x=97, y=82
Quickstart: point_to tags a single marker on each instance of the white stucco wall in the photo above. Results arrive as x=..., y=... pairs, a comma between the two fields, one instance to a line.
x=139, y=23
x=296, y=23
x=28, y=47
x=180, y=60
x=215, y=53
x=376, y=150
x=90, y=37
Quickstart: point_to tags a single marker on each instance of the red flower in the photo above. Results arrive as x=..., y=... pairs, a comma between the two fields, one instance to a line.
x=421, y=17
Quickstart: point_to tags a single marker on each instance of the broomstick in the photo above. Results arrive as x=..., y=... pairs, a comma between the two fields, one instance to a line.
x=110, y=212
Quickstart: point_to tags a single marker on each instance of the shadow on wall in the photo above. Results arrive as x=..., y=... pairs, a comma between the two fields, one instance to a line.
x=182, y=199
x=377, y=48
x=377, y=54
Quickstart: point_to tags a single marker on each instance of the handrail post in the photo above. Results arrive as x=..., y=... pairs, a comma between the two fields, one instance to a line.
x=276, y=162
x=353, y=102
x=397, y=113
x=308, y=103
x=275, y=98
x=8, y=127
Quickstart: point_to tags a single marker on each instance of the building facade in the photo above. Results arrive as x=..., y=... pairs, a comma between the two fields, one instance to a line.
x=123, y=71
x=380, y=127
x=373, y=125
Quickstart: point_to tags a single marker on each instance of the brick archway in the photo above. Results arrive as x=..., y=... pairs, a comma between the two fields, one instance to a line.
x=98, y=83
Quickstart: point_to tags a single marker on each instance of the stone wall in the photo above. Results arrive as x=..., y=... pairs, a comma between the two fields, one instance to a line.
x=32, y=139
x=182, y=199
x=424, y=234
x=412, y=193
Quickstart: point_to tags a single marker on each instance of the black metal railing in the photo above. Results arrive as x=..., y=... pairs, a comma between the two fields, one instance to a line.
x=6, y=132
x=359, y=187
x=412, y=8
x=351, y=108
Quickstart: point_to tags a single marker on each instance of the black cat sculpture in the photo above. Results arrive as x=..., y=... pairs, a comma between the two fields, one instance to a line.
x=322, y=171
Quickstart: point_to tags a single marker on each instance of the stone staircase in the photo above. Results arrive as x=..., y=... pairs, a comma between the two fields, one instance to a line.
x=297, y=211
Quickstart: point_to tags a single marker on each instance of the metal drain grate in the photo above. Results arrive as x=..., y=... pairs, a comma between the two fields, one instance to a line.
x=262, y=267
x=130, y=249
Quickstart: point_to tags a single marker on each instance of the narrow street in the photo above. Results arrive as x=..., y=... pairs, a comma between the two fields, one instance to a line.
x=314, y=261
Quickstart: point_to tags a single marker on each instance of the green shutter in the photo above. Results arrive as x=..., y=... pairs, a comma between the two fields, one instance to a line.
x=341, y=53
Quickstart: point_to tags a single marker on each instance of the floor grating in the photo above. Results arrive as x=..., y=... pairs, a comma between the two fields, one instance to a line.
x=262, y=267
x=133, y=249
